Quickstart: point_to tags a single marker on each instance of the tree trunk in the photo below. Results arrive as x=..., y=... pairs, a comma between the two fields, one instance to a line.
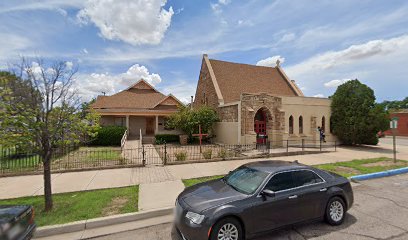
x=47, y=181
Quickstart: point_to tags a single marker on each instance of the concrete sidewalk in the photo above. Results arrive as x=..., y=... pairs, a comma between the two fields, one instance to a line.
x=154, y=180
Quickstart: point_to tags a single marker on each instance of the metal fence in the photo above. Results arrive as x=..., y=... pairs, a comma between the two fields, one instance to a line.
x=75, y=158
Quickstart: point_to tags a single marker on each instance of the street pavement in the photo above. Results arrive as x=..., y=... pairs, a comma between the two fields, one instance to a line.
x=380, y=211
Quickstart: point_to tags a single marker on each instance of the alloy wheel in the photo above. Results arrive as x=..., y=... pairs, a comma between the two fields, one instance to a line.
x=336, y=211
x=228, y=232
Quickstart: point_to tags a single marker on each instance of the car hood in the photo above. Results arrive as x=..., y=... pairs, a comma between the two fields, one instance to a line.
x=10, y=213
x=209, y=194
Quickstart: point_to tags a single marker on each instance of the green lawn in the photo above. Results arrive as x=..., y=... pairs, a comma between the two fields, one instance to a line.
x=99, y=153
x=346, y=169
x=194, y=181
x=363, y=166
x=75, y=206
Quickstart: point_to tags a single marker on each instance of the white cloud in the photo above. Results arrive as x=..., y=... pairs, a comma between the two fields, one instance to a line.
x=69, y=65
x=335, y=83
x=350, y=55
x=375, y=63
x=85, y=51
x=319, y=95
x=217, y=7
x=271, y=61
x=90, y=85
x=134, y=22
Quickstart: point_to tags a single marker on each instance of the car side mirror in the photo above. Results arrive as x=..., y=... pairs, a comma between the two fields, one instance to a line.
x=268, y=193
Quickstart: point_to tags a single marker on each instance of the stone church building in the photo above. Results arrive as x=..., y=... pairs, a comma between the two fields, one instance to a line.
x=255, y=101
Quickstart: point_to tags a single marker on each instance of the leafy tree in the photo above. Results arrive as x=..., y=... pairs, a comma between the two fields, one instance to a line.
x=395, y=105
x=356, y=118
x=188, y=120
x=39, y=106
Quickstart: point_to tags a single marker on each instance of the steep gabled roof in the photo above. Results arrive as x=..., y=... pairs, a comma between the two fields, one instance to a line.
x=233, y=79
x=138, y=96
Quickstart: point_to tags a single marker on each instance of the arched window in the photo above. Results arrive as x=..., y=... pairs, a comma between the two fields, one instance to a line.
x=324, y=124
x=300, y=125
x=290, y=125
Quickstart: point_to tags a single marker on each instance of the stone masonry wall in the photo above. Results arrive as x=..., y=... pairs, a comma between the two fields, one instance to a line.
x=228, y=113
x=205, y=93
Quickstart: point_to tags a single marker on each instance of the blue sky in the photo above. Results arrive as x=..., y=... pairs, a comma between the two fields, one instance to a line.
x=321, y=44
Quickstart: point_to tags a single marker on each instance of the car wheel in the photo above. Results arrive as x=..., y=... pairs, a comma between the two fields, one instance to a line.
x=335, y=211
x=227, y=229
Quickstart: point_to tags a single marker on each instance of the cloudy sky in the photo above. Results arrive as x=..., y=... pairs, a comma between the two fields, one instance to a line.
x=114, y=43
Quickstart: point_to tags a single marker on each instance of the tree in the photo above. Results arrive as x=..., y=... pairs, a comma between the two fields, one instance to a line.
x=356, y=118
x=45, y=112
x=395, y=105
x=188, y=120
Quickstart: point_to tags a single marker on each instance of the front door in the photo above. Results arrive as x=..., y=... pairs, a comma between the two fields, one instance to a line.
x=149, y=125
x=260, y=127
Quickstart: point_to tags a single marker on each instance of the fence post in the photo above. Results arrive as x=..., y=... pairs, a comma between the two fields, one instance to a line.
x=287, y=145
x=303, y=145
x=335, y=146
x=143, y=156
x=165, y=153
x=320, y=145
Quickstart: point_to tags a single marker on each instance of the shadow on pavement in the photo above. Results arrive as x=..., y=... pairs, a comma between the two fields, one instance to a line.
x=297, y=231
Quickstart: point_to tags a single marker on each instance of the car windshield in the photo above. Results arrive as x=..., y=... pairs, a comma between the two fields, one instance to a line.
x=245, y=180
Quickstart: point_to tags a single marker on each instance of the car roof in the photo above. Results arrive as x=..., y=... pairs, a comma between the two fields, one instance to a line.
x=272, y=166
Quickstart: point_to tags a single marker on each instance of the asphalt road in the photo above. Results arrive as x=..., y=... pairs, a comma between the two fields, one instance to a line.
x=401, y=141
x=380, y=211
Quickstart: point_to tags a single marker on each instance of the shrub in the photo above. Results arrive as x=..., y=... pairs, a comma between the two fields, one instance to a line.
x=223, y=153
x=166, y=138
x=207, y=154
x=181, y=155
x=109, y=136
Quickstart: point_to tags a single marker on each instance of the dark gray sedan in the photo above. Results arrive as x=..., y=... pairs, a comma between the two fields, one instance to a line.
x=258, y=197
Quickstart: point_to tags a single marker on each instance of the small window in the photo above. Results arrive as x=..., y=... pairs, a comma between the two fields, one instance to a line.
x=300, y=125
x=291, y=125
x=120, y=121
x=304, y=178
x=281, y=181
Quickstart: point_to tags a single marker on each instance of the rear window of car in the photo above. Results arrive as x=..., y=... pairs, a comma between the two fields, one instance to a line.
x=305, y=177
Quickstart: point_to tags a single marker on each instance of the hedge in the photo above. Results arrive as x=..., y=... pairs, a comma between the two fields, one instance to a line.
x=109, y=136
x=166, y=138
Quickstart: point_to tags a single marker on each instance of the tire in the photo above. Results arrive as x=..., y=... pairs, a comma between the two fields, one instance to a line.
x=335, y=211
x=231, y=224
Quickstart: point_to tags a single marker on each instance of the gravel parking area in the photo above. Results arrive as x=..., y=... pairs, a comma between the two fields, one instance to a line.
x=380, y=211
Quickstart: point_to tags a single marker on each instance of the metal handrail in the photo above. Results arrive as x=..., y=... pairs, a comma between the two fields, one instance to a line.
x=123, y=140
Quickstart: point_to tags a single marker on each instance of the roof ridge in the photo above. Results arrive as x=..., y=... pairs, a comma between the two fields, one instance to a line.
x=251, y=65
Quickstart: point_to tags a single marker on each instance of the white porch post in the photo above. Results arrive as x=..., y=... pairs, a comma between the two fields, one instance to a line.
x=156, y=130
x=127, y=122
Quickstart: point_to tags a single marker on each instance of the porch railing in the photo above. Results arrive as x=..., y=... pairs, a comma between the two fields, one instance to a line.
x=123, y=140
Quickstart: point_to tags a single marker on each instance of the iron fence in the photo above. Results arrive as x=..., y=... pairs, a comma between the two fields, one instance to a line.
x=73, y=158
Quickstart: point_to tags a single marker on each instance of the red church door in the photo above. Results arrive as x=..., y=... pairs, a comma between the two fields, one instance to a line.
x=260, y=127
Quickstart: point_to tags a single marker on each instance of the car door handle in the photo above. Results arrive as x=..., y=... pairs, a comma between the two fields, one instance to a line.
x=323, y=189
x=293, y=197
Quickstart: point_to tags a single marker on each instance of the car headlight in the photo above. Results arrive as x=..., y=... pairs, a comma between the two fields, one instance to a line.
x=5, y=227
x=195, y=217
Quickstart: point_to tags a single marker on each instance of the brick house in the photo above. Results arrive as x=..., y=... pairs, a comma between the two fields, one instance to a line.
x=255, y=101
x=402, y=128
x=139, y=107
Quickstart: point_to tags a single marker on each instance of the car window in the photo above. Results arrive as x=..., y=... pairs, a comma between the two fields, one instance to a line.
x=280, y=181
x=245, y=180
x=304, y=178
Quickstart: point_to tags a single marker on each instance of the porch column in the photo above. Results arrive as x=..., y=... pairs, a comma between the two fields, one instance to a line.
x=156, y=130
x=127, y=123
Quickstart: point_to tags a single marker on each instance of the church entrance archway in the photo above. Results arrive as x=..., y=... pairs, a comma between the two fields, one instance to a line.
x=261, y=125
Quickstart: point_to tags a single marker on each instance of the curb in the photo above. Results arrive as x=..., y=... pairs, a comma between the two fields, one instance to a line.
x=99, y=222
x=380, y=174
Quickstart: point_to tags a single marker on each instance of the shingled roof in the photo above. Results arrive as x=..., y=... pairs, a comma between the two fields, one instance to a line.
x=138, y=96
x=234, y=79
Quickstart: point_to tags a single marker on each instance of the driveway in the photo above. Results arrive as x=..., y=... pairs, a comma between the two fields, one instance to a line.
x=380, y=211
